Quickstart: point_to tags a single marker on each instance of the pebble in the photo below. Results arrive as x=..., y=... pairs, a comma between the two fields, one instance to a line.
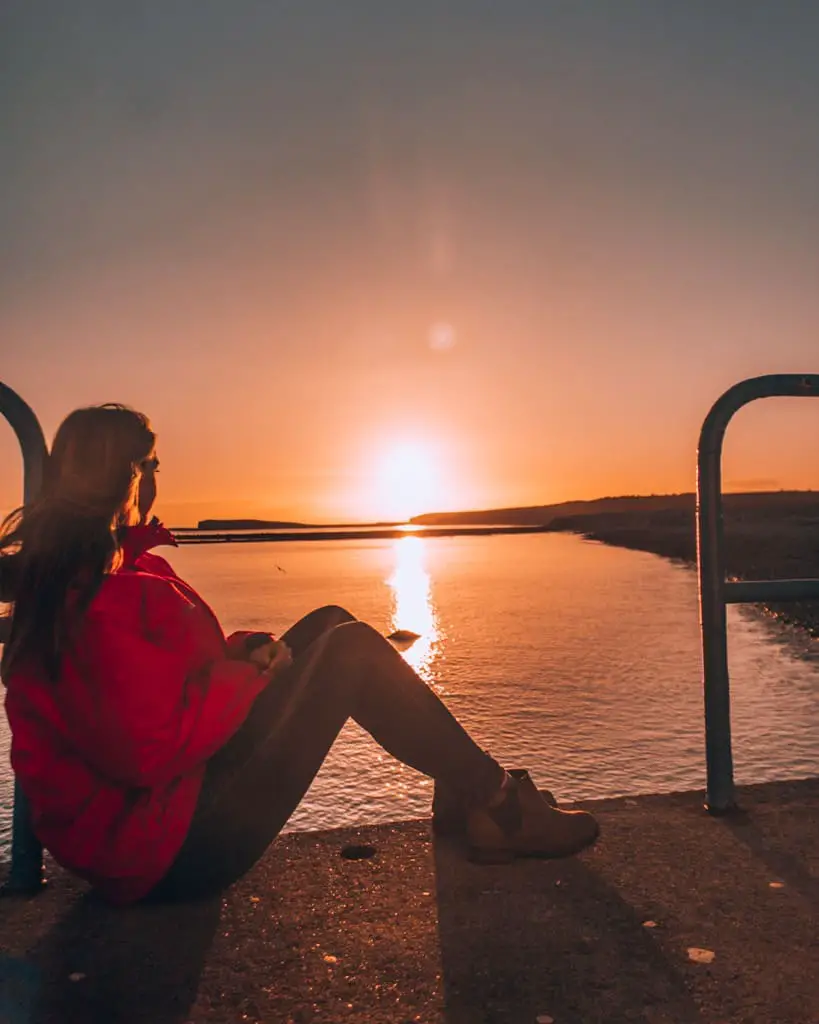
x=701, y=956
x=356, y=852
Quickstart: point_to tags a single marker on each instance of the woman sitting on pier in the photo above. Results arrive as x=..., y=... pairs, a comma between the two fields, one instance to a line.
x=161, y=759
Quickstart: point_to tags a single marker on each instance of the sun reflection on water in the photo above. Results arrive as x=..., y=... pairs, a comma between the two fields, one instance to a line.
x=413, y=608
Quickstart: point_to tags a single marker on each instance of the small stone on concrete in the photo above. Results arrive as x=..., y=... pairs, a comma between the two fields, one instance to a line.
x=358, y=852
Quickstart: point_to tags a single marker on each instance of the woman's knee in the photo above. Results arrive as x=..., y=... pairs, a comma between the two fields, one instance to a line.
x=354, y=638
x=334, y=615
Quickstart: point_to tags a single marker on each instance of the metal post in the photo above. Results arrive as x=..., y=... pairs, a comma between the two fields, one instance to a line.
x=26, y=872
x=712, y=584
x=713, y=622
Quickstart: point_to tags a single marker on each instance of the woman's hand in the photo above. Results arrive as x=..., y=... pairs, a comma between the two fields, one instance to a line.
x=273, y=658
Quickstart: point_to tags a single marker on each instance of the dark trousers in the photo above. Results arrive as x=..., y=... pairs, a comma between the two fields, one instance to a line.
x=341, y=669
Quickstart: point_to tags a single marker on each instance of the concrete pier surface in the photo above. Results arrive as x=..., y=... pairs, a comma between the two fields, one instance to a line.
x=674, y=917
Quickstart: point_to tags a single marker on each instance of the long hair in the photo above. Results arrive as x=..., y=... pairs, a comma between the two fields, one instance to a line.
x=55, y=551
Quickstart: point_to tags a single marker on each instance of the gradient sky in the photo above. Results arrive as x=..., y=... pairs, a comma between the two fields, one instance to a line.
x=533, y=239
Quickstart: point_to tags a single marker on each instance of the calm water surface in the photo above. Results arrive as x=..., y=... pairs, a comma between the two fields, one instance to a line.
x=576, y=660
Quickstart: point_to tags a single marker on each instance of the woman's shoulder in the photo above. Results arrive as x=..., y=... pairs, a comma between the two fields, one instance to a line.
x=133, y=606
x=132, y=592
x=156, y=565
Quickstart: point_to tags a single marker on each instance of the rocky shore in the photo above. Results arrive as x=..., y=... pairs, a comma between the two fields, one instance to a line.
x=766, y=537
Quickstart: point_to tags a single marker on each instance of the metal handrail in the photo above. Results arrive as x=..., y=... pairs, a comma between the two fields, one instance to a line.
x=26, y=871
x=715, y=591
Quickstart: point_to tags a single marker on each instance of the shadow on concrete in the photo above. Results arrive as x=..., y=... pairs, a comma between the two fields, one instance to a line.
x=103, y=965
x=547, y=939
x=780, y=843
x=310, y=935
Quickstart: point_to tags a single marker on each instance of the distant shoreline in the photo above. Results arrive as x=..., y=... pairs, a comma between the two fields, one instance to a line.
x=529, y=515
x=766, y=537
x=352, y=533
x=264, y=525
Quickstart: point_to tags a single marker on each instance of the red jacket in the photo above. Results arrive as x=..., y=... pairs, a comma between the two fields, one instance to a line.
x=112, y=755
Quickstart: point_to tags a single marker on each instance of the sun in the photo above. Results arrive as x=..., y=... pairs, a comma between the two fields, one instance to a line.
x=407, y=481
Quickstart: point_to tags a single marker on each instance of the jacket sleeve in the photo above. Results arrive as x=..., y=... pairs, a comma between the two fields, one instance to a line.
x=235, y=643
x=146, y=709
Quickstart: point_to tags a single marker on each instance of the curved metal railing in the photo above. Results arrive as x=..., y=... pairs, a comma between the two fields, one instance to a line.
x=715, y=591
x=26, y=871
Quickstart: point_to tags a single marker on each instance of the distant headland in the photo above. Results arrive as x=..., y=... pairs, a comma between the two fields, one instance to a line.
x=276, y=524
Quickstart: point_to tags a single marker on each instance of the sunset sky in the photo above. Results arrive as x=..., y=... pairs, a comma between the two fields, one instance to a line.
x=365, y=258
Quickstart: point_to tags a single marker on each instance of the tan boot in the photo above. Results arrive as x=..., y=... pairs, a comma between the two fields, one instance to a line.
x=534, y=829
x=449, y=813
